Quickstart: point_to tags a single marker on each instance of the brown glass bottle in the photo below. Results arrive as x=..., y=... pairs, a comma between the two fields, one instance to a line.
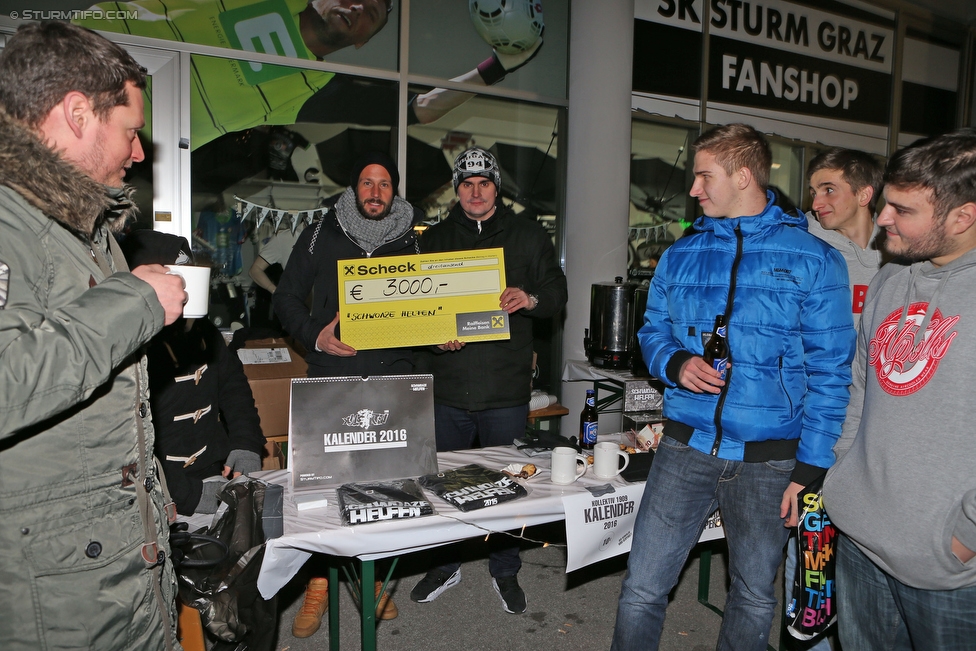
x=717, y=349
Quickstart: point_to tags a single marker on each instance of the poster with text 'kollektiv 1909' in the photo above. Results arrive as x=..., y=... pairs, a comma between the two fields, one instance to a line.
x=421, y=300
x=347, y=429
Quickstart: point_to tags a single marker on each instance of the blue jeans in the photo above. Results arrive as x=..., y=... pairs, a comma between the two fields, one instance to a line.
x=683, y=488
x=820, y=643
x=457, y=429
x=876, y=611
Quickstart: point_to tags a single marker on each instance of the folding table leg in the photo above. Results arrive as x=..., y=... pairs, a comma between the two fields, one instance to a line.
x=367, y=604
x=704, y=579
x=363, y=584
x=333, y=607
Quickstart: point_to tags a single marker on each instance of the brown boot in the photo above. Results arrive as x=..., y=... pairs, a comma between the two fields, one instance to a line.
x=309, y=616
x=385, y=608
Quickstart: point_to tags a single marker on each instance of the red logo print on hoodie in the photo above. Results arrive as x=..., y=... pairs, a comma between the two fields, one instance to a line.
x=903, y=360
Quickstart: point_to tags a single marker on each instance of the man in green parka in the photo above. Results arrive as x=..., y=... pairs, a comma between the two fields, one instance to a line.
x=83, y=526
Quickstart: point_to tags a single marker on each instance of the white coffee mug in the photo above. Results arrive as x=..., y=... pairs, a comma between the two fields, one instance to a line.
x=566, y=465
x=197, y=282
x=606, y=464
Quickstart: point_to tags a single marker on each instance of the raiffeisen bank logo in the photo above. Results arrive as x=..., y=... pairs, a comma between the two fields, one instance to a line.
x=366, y=418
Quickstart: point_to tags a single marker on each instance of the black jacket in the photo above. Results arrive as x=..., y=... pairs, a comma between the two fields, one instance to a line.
x=495, y=374
x=194, y=373
x=312, y=268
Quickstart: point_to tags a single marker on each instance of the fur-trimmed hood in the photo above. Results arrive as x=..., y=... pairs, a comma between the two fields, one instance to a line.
x=56, y=187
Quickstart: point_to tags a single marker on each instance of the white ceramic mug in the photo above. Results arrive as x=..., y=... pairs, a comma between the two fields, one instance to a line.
x=606, y=464
x=197, y=282
x=566, y=465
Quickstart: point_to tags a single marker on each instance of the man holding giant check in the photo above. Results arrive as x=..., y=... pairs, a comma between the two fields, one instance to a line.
x=369, y=225
x=482, y=385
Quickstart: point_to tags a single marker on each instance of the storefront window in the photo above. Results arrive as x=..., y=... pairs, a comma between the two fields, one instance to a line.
x=365, y=34
x=296, y=140
x=521, y=135
x=660, y=178
x=660, y=208
x=787, y=173
x=271, y=142
x=449, y=38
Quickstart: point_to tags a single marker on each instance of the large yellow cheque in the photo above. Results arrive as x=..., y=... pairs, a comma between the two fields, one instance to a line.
x=424, y=299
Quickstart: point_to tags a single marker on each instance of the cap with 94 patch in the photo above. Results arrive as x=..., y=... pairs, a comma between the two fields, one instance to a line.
x=477, y=162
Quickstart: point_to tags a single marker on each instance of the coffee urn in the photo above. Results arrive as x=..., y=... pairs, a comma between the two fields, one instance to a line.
x=610, y=340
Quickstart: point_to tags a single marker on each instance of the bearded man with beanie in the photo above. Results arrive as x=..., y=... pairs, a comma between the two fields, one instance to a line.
x=369, y=220
x=482, y=389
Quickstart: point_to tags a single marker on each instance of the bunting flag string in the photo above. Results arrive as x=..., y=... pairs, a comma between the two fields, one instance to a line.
x=292, y=218
x=656, y=233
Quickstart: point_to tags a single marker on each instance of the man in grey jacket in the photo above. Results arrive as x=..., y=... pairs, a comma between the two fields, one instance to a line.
x=83, y=527
x=482, y=389
x=903, y=492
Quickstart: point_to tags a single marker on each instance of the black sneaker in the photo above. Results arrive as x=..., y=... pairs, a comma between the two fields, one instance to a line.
x=513, y=598
x=434, y=584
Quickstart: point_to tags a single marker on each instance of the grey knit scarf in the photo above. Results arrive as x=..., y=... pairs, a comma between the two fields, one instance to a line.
x=371, y=234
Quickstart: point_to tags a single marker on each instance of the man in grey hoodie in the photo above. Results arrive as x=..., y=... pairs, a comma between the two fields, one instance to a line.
x=903, y=492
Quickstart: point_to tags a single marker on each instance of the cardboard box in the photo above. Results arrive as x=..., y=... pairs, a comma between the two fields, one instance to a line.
x=276, y=454
x=271, y=384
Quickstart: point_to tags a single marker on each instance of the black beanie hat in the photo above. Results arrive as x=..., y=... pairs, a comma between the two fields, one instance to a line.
x=375, y=158
x=146, y=246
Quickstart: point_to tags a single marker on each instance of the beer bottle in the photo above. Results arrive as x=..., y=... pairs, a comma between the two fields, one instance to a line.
x=717, y=349
x=588, y=422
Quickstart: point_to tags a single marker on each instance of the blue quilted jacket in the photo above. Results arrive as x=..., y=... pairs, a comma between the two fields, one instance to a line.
x=791, y=338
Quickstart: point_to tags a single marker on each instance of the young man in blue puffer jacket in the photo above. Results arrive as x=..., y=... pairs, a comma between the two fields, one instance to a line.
x=750, y=441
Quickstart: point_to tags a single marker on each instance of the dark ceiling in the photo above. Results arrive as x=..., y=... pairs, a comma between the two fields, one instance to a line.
x=962, y=10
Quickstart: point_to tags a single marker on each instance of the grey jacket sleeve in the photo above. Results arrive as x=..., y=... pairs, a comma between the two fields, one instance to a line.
x=853, y=419
x=53, y=357
x=65, y=329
